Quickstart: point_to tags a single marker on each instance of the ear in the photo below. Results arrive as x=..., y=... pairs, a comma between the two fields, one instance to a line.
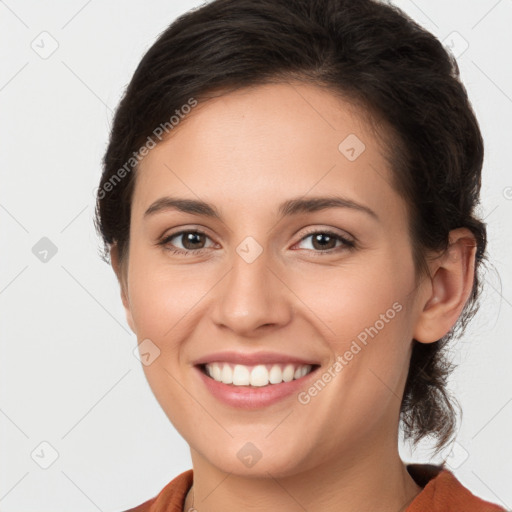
x=120, y=272
x=451, y=286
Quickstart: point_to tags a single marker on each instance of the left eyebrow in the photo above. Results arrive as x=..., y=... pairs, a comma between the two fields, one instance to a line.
x=288, y=208
x=313, y=204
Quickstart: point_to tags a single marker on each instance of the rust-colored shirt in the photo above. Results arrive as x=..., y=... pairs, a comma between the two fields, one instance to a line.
x=442, y=492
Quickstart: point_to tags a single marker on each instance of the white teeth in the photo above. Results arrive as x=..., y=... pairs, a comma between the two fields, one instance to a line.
x=241, y=375
x=275, y=375
x=258, y=376
x=288, y=372
x=217, y=373
x=227, y=374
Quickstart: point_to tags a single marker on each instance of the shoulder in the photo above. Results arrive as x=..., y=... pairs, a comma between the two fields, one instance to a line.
x=443, y=492
x=170, y=498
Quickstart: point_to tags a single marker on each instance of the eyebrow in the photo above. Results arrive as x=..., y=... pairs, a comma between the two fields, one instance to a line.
x=290, y=207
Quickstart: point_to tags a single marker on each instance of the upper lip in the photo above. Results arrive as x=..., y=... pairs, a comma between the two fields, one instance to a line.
x=250, y=359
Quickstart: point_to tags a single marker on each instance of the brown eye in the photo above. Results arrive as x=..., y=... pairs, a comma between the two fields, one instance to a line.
x=325, y=241
x=190, y=241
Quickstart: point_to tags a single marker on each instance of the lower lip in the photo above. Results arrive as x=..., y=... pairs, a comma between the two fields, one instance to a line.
x=249, y=397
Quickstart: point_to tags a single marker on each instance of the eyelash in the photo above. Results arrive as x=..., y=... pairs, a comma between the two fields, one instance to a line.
x=349, y=244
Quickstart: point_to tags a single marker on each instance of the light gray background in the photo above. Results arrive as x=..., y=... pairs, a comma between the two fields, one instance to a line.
x=68, y=373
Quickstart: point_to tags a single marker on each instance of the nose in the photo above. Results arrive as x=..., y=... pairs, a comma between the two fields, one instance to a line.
x=252, y=298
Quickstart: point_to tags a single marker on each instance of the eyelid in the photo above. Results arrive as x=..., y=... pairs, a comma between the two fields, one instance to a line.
x=163, y=240
x=348, y=242
x=312, y=230
x=329, y=230
x=187, y=228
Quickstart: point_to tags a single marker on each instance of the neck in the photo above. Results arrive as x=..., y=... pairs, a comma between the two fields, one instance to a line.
x=375, y=482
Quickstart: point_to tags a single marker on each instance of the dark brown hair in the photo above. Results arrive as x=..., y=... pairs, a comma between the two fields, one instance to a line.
x=368, y=52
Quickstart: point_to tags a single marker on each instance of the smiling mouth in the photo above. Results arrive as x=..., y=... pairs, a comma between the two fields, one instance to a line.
x=259, y=375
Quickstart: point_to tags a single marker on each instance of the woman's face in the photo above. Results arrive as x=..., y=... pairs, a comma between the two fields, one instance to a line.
x=272, y=273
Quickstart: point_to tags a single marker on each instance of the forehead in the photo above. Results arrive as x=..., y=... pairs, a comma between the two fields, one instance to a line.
x=256, y=145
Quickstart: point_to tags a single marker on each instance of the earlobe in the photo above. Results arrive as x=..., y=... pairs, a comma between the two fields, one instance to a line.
x=117, y=267
x=451, y=285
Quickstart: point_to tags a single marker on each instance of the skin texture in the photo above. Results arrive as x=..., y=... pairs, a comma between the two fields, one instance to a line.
x=246, y=152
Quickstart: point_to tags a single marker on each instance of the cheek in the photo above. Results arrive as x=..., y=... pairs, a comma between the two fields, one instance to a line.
x=350, y=299
x=162, y=296
x=362, y=313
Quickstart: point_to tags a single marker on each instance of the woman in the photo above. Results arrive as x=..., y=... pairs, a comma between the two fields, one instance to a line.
x=288, y=203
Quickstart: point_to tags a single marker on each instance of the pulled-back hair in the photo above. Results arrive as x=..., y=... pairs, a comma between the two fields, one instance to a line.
x=369, y=53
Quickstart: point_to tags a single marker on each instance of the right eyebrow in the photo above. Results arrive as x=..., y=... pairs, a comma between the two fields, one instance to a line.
x=183, y=205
